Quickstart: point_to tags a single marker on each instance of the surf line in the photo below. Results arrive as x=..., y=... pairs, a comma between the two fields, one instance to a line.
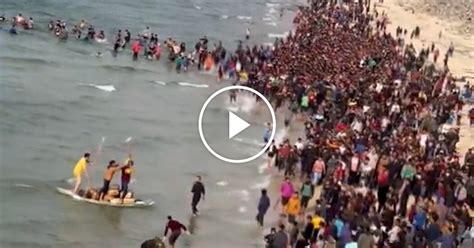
x=107, y=87
x=193, y=85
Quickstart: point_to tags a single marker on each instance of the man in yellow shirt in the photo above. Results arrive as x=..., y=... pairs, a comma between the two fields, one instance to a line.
x=79, y=169
x=317, y=221
x=293, y=208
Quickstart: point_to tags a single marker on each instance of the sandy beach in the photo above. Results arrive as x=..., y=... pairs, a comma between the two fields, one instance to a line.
x=401, y=14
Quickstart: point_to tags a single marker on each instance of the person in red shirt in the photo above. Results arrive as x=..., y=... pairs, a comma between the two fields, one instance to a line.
x=175, y=228
x=127, y=171
x=283, y=154
x=136, y=47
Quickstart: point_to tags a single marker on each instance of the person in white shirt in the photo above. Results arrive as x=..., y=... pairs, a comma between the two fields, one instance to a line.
x=299, y=144
x=393, y=233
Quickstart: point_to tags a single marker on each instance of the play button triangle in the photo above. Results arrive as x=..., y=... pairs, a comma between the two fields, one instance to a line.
x=236, y=125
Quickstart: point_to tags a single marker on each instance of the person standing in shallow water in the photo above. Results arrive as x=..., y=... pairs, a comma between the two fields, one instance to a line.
x=233, y=95
x=198, y=191
x=263, y=205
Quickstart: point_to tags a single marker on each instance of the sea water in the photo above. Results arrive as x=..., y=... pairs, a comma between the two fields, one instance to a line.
x=57, y=99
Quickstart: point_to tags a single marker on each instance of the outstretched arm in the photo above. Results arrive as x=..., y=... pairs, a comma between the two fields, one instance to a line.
x=203, y=192
x=166, y=229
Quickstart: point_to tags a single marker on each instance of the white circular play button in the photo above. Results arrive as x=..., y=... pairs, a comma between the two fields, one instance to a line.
x=236, y=124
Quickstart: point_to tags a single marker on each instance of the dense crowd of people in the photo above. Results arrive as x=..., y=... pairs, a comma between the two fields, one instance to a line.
x=381, y=138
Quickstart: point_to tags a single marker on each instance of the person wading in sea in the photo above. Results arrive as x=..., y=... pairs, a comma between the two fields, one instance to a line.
x=175, y=228
x=233, y=95
x=198, y=191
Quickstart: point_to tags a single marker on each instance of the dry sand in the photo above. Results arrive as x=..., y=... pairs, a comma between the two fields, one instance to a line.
x=461, y=64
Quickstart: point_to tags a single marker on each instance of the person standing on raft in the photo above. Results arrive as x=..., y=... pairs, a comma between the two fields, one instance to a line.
x=108, y=176
x=79, y=169
x=127, y=171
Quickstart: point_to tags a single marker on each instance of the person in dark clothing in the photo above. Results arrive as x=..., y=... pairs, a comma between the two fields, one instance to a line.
x=198, y=191
x=308, y=229
x=301, y=243
x=280, y=239
x=263, y=206
x=175, y=228
x=404, y=200
x=269, y=238
x=433, y=230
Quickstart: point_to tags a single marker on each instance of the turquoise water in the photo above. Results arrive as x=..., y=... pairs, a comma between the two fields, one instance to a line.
x=50, y=115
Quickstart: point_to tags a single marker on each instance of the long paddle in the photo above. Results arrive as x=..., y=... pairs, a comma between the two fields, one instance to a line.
x=127, y=141
x=97, y=155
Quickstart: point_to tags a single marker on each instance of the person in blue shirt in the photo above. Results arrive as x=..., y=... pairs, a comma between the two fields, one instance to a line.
x=339, y=224
x=267, y=133
x=419, y=220
x=433, y=230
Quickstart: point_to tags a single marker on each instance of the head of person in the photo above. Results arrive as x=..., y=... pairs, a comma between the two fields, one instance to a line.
x=130, y=162
x=87, y=156
x=282, y=227
x=112, y=163
x=264, y=192
x=169, y=217
x=273, y=230
x=198, y=178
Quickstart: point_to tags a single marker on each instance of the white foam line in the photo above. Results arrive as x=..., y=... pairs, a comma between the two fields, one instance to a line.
x=108, y=87
x=271, y=35
x=244, y=17
x=271, y=5
x=271, y=24
x=222, y=183
x=193, y=85
x=262, y=167
x=197, y=7
x=272, y=10
x=250, y=142
x=159, y=82
x=21, y=185
x=264, y=184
